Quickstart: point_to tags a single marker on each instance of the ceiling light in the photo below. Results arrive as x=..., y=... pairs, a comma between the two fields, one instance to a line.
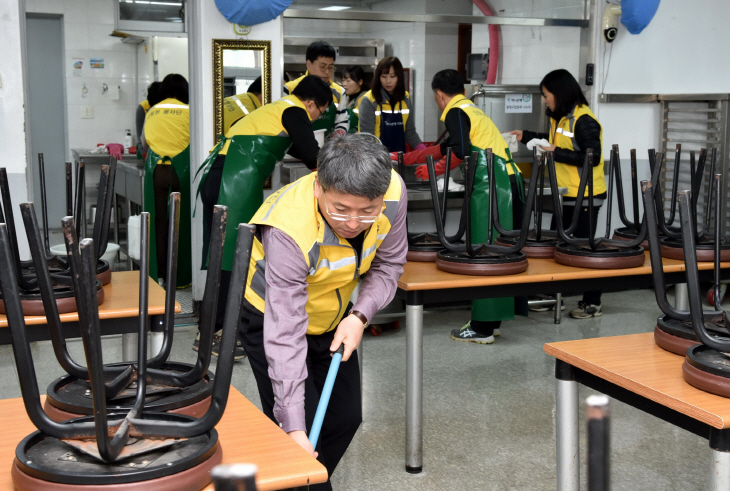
x=335, y=7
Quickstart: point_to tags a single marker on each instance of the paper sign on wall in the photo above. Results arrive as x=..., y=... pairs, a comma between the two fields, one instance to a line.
x=518, y=103
x=96, y=62
x=77, y=66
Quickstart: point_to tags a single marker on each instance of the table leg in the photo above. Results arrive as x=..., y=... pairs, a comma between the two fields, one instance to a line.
x=558, y=304
x=129, y=346
x=566, y=438
x=720, y=465
x=681, y=299
x=414, y=385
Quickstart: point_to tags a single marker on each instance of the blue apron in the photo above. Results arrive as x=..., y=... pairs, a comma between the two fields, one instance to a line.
x=392, y=129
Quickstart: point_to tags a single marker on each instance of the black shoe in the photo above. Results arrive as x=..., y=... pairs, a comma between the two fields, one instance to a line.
x=238, y=353
x=196, y=342
x=468, y=335
x=586, y=311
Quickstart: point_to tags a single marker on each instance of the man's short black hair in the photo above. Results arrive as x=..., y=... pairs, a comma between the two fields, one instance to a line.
x=449, y=81
x=175, y=86
x=320, y=49
x=255, y=87
x=154, y=96
x=313, y=88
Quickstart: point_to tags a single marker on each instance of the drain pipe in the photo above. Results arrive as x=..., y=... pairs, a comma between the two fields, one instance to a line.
x=493, y=42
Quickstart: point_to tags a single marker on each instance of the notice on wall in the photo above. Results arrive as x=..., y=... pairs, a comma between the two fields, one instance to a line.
x=518, y=103
x=77, y=66
x=96, y=62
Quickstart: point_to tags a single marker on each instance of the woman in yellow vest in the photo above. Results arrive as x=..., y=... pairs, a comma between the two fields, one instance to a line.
x=314, y=240
x=386, y=110
x=167, y=169
x=573, y=130
x=237, y=168
x=470, y=130
x=153, y=97
x=241, y=105
x=353, y=80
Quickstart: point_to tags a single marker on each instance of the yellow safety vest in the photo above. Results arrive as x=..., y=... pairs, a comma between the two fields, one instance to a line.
x=145, y=105
x=564, y=137
x=237, y=107
x=265, y=121
x=483, y=133
x=401, y=107
x=337, y=90
x=334, y=267
x=167, y=128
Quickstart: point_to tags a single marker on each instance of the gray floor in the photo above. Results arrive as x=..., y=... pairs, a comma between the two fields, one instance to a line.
x=488, y=409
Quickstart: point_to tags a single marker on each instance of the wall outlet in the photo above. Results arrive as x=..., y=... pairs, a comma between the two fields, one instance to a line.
x=87, y=112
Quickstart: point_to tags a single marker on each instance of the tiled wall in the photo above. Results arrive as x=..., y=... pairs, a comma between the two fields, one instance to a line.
x=528, y=53
x=87, y=25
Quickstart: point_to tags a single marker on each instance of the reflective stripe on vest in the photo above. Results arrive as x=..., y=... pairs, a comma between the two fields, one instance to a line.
x=332, y=263
x=562, y=134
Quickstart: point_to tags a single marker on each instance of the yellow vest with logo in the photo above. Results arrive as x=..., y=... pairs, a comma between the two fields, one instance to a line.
x=334, y=266
x=563, y=136
x=237, y=107
x=167, y=128
x=483, y=133
x=265, y=121
x=336, y=89
x=401, y=107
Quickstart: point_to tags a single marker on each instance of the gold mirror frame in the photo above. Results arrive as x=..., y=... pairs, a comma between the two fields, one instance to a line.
x=219, y=45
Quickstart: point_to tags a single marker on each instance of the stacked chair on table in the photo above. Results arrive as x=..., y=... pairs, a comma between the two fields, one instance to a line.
x=674, y=330
x=540, y=242
x=130, y=445
x=172, y=386
x=672, y=242
x=423, y=246
x=486, y=258
x=592, y=252
x=27, y=272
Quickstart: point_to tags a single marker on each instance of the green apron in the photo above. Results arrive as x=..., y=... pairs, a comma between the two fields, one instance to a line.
x=181, y=164
x=491, y=309
x=327, y=121
x=249, y=162
x=354, y=121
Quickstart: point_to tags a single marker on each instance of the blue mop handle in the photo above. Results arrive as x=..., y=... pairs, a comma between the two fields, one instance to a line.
x=324, y=399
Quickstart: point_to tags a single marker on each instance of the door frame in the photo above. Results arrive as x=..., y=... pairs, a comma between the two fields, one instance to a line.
x=31, y=162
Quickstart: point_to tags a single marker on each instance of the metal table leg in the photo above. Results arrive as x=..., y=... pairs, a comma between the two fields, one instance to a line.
x=720, y=465
x=681, y=299
x=414, y=383
x=566, y=438
x=558, y=305
x=129, y=346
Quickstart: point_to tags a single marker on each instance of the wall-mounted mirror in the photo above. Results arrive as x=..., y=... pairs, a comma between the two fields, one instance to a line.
x=236, y=65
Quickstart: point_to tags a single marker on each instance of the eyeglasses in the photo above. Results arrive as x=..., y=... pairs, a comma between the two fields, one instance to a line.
x=321, y=112
x=344, y=218
x=327, y=68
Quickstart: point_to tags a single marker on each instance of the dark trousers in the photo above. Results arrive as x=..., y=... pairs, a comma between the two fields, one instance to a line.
x=165, y=181
x=583, y=230
x=344, y=413
x=209, y=196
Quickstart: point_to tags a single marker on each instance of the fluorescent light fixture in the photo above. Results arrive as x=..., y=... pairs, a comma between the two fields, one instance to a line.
x=335, y=8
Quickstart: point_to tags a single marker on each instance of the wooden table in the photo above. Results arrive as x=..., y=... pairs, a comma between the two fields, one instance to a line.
x=245, y=434
x=118, y=314
x=424, y=283
x=634, y=370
